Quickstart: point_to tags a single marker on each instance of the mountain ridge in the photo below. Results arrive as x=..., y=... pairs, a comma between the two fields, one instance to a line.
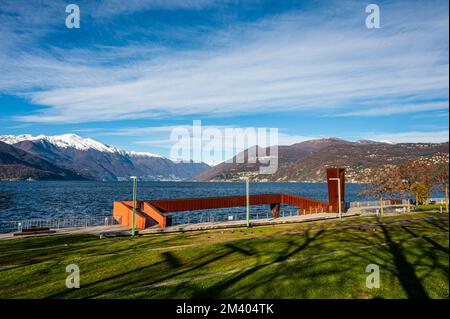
x=306, y=161
x=94, y=160
x=17, y=164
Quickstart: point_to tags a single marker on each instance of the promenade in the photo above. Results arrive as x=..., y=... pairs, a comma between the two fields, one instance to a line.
x=120, y=230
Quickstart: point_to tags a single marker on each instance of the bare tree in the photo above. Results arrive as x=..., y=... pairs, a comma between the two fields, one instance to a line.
x=415, y=180
x=383, y=181
x=408, y=178
x=440, y=179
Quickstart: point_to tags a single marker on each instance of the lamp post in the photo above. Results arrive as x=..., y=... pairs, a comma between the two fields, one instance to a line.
x=133, y=222
x=247, y=184
x=339, y=195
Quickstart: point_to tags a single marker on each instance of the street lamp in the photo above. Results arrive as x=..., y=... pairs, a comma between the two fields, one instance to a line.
x=133, y=226
x=339, y=194
x=247, y=184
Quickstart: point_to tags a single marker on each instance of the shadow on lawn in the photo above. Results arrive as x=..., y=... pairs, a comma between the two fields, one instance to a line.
x=215, y=290
x=258, y=254
x=172, y=267
x=391, y=256
x=405, y=271
x=403, y=262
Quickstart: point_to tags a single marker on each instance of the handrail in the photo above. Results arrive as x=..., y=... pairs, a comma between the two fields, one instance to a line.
x=152, y=212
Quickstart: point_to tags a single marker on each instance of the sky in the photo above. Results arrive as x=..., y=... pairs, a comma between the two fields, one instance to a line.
x=135, y=70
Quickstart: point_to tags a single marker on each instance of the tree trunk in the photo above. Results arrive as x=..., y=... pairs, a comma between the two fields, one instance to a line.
x=446, y=199
x=409, y=203
x=381, y=205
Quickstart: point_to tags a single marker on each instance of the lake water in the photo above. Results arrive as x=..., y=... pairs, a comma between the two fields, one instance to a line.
x=40, y=199
x=57, y=200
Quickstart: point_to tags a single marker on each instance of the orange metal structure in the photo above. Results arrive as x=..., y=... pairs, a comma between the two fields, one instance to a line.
x=333, y=188
x=151, y=212
x=154, y=212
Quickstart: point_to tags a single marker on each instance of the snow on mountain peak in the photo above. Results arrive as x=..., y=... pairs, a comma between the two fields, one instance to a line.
x=62, y=141
x=13, y=139
x=142, y=154
x=77, y=142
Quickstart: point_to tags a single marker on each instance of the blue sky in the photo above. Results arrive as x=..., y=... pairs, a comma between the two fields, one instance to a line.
x=137, y=69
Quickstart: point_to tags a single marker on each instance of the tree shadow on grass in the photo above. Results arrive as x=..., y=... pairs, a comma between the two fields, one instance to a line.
x=282, y=261
x=171, y=259
x=392, y=256
x=155, y=273
x=429, y=240
x=435, y=222
x=215, y=290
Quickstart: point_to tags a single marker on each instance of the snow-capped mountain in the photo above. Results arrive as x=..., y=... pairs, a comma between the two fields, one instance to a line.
x=142, y=154
x=62, y=141
x=16, y=164
x=95, y=160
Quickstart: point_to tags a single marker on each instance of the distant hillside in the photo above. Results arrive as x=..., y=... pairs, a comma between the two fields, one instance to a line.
x=307, y=161
x=286, y=156
x=17, y=164
x=94, y=160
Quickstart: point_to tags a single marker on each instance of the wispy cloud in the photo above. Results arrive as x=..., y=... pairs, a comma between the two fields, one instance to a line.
x=293, y=62
x=108, y=8
x=399, y=109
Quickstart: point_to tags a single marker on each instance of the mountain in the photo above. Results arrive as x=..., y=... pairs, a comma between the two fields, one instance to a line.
x=306, y=161
x=17, y=164
x=154, y=167
x=357, y=159
x=94, y=160
x=287, y=154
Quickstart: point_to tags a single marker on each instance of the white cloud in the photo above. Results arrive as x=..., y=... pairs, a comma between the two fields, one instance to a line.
x=292, y=62
x=399, y=109
x=108, y=8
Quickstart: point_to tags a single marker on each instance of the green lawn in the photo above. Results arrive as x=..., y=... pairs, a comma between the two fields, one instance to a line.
x=433, y=207
x=315, y=260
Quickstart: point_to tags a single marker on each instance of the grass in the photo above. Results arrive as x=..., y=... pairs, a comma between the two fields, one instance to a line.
x=433, y=207
x=315, y=260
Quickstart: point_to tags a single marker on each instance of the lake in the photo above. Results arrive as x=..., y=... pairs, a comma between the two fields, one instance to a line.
x=55, y=199
x=69, y=199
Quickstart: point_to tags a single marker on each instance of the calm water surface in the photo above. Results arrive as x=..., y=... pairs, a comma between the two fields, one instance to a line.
x=26, y=200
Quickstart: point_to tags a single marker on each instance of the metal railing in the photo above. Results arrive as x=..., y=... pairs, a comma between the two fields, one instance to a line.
x=194, y=217
x=57, y=223
x=436, y=200
x=375, y=203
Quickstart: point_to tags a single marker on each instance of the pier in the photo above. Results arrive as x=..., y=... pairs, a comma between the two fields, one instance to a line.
x=157, y=212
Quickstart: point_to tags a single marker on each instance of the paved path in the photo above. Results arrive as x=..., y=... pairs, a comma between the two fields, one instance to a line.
x=119, y=229
x=95, y=230
x=243, y=223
